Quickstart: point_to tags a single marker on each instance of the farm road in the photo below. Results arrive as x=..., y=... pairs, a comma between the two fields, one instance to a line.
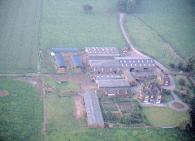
x=163, y=68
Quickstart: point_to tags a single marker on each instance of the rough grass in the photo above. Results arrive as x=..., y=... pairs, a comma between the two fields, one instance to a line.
x=19, y=32
x=20, y=112
x=173, y=20
x=148, y=41
x=66, y=24
x=165, y=117
x=62, y=125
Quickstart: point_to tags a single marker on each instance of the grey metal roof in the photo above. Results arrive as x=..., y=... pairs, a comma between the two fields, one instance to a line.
x=94, y=114
x=59, y=60
x=108, y=76
x=124, y=63
x=113, y=83
x=102, y=51
x=104, y=63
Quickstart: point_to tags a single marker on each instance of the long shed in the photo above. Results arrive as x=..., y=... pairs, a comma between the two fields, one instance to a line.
x=62, y=49
x=102, y=51
x=93, y=110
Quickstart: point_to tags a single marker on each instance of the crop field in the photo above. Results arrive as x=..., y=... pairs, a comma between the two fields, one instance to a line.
x=62, y=125
x=20, y=112
x=66, y=24
x=157, y=23
x=165, y=117
x=19, y=35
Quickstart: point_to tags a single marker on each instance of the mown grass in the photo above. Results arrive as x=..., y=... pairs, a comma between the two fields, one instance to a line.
x=158, y=116
x=62, y=125
x=19, y=34
x=173, y=20
x=20, y=112
x=65, y=24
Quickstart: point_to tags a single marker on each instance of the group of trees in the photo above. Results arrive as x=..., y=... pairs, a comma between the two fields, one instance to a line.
x=126, y=6
x=188, y=67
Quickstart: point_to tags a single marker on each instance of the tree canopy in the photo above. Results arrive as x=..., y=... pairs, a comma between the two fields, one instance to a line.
x=126, y=6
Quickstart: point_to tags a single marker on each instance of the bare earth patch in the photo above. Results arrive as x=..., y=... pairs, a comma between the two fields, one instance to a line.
x=79, y=107
x=178, y=105
x=4, y=93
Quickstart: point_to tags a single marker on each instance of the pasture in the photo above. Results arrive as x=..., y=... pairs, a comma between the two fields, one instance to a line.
x=20, y=112
x=158, y=24
x=19, y=35
x=65, y=24
x=165, y=117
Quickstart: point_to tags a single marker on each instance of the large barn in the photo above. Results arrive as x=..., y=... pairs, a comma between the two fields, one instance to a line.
x=113, y=87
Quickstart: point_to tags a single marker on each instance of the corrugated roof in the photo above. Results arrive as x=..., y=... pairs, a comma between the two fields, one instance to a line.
x=136, y=62
x=102, y=51
x=108, y=76
x=58, y=50
x=94, y=114
x=113, y=83
x=76, y=61
x=104, y=63
x=59, y=60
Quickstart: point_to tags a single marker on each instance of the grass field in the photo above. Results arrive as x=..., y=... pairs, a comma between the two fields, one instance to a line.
x=165, y=117
x=19, y=35
x=170, y=21
x=66, y=24
x=20, y=112
x=63, y=126
x=148, y=41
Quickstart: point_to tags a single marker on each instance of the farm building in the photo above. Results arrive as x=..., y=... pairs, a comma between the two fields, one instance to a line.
x=104, y=66
x=102, y=52
x=76, y=62
x=113, y=87
x=136, y=64
x=152, y=93
x=113, y=83
x=129, y=77
x=64, y=50
x=105, y=77
x=93, y=110
x=60, y=62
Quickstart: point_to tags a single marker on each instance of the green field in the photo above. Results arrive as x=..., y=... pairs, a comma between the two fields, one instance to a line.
x=165, y=117
x=156, y=23
x=62, y=125
x=20, y=112
x=19, y=35
x=65, y=24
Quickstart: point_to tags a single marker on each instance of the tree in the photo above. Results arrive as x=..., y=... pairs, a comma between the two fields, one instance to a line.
x=190, y=67
x=126, y=6
x=182, y=82
x=172, y=65
x=180, y=66
x=87, y=8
